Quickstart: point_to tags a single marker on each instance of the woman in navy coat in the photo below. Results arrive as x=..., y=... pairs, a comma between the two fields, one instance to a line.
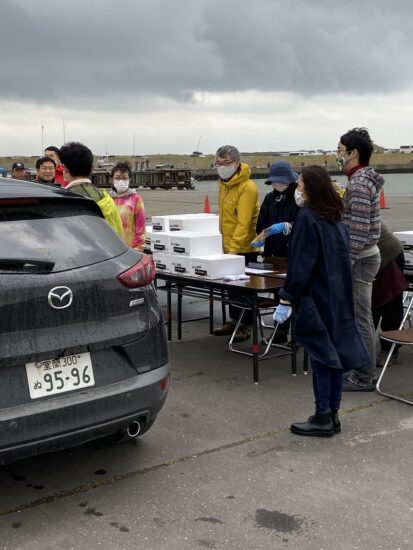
x=319, y=284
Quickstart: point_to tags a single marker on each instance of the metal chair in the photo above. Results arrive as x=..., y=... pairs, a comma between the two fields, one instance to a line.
x=402, y=336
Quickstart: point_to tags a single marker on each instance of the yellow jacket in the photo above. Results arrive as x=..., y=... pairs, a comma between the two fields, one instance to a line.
x=111, y=213
x=238, y=211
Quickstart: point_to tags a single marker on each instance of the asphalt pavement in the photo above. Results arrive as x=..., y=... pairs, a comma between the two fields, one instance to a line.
x=220, y=468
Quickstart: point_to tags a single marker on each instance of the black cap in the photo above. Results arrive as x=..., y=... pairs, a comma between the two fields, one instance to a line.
x=18, y=166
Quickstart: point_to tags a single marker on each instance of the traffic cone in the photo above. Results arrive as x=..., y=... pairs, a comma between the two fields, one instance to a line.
x=207, y=207
x=382, y=200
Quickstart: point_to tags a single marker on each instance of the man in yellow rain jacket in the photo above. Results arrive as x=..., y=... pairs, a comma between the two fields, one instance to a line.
x=238, y=212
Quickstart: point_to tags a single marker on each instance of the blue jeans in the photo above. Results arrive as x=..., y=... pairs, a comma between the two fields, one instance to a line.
x=364, y=271
x=327, y=384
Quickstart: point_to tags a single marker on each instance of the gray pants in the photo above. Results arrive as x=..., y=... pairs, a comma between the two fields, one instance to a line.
x=364, y=271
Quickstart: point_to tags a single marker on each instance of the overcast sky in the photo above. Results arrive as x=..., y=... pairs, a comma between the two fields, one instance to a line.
x=161, y=76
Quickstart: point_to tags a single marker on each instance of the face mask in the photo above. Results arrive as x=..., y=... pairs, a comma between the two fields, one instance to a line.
x=225, y=172
x=298, y=195
x=121, y=186
x=341, y=161
x=281, y=187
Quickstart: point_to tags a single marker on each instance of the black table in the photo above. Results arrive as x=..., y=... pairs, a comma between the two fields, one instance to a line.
x=217, y=290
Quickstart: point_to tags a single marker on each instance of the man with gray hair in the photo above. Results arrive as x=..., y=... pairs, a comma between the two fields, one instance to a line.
x=238, y=213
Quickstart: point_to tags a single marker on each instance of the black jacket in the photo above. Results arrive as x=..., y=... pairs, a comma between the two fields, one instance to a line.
x=277, y=207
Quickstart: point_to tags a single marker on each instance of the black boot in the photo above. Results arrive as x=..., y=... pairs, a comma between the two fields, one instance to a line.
x=318, y=425
x=336, y=421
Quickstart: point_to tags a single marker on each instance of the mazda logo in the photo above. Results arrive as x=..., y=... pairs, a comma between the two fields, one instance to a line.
x=60, y=297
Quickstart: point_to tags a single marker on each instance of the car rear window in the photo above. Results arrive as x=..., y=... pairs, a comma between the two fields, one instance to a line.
x=56, y=236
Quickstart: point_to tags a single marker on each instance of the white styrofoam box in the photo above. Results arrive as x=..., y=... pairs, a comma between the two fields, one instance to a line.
x=408, y=259
x=181, y=265
x=406, y=238
x=148, y=234
x=161, y=223
x=217, y=266
x=162, y=262
x=189, y=243
x=161, y=241
x=205, y=223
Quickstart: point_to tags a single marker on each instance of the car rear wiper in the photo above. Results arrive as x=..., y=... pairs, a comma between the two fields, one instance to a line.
x=26, y=264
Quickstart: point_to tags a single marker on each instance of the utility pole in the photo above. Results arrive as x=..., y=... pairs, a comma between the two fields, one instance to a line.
x=133, y=153
x=64, y=131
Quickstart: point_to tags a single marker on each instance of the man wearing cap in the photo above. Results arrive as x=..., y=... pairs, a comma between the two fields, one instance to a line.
x=18, y=171
x=238, y=212
x=277, y=213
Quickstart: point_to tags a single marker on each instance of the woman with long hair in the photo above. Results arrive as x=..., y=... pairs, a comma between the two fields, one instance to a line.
x=319, y=285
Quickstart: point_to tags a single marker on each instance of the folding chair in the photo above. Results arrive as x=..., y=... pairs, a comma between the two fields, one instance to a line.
x=268, y=305
x=402, y=336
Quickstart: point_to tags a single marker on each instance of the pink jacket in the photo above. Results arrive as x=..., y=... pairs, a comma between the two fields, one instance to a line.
x=132, y=213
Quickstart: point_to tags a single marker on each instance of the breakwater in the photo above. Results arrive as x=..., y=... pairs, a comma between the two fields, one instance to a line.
x=261, y=173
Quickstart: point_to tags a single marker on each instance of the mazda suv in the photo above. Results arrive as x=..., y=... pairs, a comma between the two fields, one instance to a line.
x=83, y=352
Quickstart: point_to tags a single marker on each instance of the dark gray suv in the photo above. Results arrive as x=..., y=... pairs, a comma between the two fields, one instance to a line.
x=83, y=352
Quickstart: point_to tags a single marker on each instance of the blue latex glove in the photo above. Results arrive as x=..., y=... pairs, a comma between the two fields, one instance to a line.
x=274, y=229
x=257, y=244
x=282, y=313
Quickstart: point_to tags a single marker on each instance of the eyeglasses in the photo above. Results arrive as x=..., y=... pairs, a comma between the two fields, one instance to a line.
x=224, y=162
x=342, y=151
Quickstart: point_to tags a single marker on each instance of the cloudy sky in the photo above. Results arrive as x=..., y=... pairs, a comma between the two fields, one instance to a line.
x=162, y=76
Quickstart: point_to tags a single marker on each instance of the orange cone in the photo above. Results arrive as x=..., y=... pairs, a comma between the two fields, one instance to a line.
x=207, y=207
x=382, y=200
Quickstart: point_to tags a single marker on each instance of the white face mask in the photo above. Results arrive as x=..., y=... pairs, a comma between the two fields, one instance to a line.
x=281, y=187
x=225, y=172
x=121, y=186
x=341, y=161
x=299, y=199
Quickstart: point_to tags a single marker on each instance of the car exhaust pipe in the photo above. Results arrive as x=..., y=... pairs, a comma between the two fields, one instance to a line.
x=134, y=429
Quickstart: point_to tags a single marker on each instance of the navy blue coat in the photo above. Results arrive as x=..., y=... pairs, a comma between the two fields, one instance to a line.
x=319, y=282
x=277, y=207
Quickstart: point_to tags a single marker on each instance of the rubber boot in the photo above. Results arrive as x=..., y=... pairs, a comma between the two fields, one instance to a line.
x=318, y=425
x=336, y=421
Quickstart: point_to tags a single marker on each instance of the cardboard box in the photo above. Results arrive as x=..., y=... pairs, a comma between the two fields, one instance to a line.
x=181, y=265
x=161, y=241
x=188, y=243
x=217, y=266
x=406, y=238
x=162, y=223
x=162, y=262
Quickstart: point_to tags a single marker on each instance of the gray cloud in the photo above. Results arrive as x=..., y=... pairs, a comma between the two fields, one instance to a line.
x=80, y=53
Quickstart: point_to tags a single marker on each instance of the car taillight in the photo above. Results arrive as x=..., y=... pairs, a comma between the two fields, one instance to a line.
x=140, y=274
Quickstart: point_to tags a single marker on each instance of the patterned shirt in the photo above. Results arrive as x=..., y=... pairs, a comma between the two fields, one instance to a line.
x=362, y=210
x=132, y=213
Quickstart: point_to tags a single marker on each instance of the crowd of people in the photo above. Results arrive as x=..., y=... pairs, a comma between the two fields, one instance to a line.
x=345, y=268
x=70, y=167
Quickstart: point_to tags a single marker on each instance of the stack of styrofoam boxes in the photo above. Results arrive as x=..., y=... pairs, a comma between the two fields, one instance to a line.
x=190, y=244
x=406, y=238
x=148, y=235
